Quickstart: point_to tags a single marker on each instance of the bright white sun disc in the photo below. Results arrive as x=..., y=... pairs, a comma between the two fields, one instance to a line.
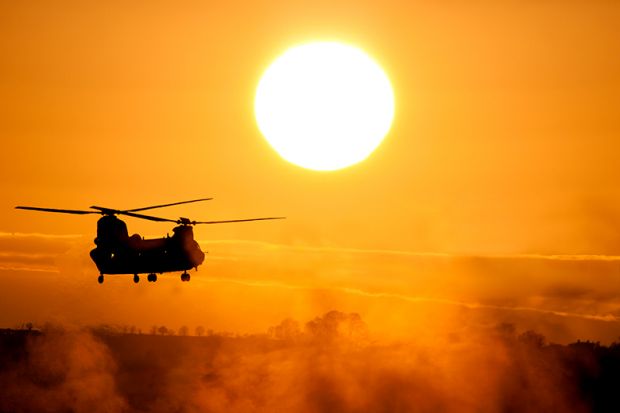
x=324, y=105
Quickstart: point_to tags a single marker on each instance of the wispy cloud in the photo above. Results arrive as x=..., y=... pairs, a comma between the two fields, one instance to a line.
x=413, y=254
x=34, y=252
x=411, y=298
x=33, y=235
x=555, y=285
x=28, y=269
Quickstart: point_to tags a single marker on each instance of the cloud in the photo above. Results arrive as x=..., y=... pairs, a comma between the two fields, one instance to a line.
x=413, y=299
x=551, y=293
x=14, y=269
x=248, y=245
x=36, y=242
x=34, y=252
x=38, y=259
x=524, y=282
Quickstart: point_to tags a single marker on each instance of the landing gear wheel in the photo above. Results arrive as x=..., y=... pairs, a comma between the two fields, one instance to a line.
x=136, y=278
x=154, y=277
x=151, y=277
x=100, y=279
x=185, y=277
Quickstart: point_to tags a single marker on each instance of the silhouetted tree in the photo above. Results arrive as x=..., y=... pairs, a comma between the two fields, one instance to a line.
x=336, y=325
x=532, y=338
x=200, y=330
x=163, y=330
x=287, y=330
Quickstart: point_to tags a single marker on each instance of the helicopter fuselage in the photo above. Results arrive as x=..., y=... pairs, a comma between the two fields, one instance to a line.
x=118, y=253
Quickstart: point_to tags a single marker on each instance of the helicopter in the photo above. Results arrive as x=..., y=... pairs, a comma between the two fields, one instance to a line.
x=118, y=253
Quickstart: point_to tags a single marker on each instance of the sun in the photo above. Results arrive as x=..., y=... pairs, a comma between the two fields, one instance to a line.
x=324, y=105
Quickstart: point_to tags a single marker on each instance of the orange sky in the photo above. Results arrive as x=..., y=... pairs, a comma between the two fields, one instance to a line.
x=495, y=189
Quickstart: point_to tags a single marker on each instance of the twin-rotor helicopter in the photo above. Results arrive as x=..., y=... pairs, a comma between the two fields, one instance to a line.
x=118, y=253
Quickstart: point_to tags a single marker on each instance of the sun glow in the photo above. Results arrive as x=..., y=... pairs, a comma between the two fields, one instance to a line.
x=324, y=105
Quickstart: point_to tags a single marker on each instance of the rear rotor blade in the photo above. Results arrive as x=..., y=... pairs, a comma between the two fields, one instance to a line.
x=236, y=220
x=167, y=205
x=62, y=211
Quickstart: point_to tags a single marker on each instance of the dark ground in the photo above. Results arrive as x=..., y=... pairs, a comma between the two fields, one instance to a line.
x=323, y=368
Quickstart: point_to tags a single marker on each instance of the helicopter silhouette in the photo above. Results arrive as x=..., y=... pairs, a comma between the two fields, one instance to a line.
x=118, y=253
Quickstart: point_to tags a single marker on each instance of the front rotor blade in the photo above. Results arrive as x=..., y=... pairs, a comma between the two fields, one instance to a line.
x=131, y=214
x=167, y=205
x=236, y=220
x=62, y=211
x=149, y=217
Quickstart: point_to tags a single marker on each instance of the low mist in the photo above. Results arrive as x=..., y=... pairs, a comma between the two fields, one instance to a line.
x=331, y=363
